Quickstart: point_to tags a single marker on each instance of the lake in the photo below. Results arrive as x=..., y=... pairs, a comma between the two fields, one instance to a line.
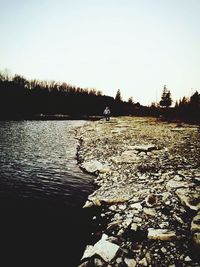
x=42, y=191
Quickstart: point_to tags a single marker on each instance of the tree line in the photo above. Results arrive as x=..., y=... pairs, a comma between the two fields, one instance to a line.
x=186, y=109
x=22, y=98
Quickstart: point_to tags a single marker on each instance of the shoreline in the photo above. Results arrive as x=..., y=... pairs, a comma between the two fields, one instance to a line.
x=148, y=176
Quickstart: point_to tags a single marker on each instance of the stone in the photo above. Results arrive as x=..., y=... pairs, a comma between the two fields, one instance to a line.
x=119, y=260
x=195, y=225
x=148, y=257
x=85, y=264
x=163, y=250
x=143, y=262
x=196, y=240
x=144, y=148
x=187, y=258
x=130, y=262
x=88, y=253
x=161, y=234
x=122, y=207
x=88, y=204
x=92, y=166
x=191, y=200
x=171, y=184
x=105, y=249
x=150, y=211
x=126, y=158
x=137, y=206
x=127, y=222
x=151, y=200
x=98, y=263
x=114, y=225
x=134, y=227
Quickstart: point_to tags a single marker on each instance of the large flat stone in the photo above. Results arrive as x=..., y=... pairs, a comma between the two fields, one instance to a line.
x=189, y=199
x=161, y=234
x=104, y=248
x=92, y=166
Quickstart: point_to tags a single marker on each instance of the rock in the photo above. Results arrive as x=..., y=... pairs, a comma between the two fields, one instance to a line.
x=122, y=207
x=134, y=227
x=164, y=225
x=145, y=148
x=85, y=264
x=105, y=249
x=191, y=200
x=171, y=184
x=88, y=204
x=151, y=200
x=148, y=257
x=113, y=207
x=114, y=225
x=130, y=262
x=127, y=222
x=161, y=234
x=137, y=206
x=163, y=250
x=126, y=158
x=196, y=240
x=150, y=211
x=177, y=129
x=88, y=253
x=178, y=219
x=187, y=258
x=119, y=260
x=143, y=262
x=195, y=225
x=98, y=263
x=92, y=166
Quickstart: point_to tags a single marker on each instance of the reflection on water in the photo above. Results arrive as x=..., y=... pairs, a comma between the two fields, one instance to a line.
x=42, y=191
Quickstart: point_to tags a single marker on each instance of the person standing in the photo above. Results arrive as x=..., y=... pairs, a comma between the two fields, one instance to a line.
x=106, y=113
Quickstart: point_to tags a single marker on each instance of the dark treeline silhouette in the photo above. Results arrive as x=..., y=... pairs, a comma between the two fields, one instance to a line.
x=186, y=109
x=22, y=98
x=31, y=99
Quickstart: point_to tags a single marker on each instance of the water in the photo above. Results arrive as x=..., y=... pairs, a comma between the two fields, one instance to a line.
x=42, y=191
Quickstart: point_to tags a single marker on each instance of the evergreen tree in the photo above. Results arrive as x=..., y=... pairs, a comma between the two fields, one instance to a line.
x=118, y=97
x=130, y=100
x=166, y=99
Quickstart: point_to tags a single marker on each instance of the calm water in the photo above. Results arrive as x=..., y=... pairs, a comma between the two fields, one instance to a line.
x=42, y=191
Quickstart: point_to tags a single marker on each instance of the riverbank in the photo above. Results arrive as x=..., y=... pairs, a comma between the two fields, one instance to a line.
x=148, y=195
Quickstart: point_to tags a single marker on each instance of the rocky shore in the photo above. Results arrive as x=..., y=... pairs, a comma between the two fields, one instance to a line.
x=148, y=197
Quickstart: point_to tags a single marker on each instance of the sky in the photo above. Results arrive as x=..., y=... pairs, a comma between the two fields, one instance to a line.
x=137, y=46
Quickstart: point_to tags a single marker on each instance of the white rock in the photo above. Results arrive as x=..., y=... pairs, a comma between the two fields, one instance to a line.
x=150, y=211
x=92, y=166
x=145, y=148
x=176, y=184
x=105, y=249
x=187, y=259
x=163, y=250
x=189, y=199
x=89, y=252
x=196, y=240
x=137, y=206
x=195, y=225
x=122, y=207
x=130, y=262
x=161, y=234
x=134, y=226
x=143, y=262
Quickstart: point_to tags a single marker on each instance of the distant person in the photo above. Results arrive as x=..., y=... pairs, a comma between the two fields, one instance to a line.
x=106, y=113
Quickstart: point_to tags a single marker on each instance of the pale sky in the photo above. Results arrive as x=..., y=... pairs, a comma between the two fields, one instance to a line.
x=136, y=46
